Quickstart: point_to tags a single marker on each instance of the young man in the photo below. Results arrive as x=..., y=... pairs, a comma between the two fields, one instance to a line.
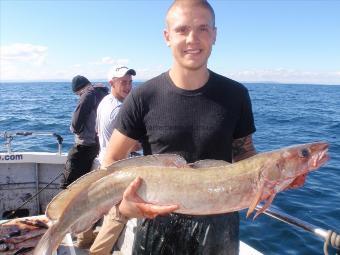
x=193, y=112
x=120, y=79
x=121, y=85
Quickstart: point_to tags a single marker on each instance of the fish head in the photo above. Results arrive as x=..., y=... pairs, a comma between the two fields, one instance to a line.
x=287, y=168
x=291, y=165
x=301, y=159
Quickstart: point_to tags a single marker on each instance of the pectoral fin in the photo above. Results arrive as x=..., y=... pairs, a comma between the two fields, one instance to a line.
x=298, y=181
x=266, y=205
x=255, y=201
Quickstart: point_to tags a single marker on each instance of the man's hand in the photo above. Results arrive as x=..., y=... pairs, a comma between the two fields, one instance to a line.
x=132, y=206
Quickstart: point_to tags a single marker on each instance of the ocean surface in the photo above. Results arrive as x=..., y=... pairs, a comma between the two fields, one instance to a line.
x=284, y=115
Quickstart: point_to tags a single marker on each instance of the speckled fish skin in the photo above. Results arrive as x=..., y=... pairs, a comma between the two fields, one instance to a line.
x=198, y=189
x=62, y=200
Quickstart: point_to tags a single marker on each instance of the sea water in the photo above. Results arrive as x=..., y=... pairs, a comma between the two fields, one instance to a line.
x=285, y=114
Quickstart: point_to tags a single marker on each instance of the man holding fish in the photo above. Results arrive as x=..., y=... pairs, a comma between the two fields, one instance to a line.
x=204, y=118
x=193, y=112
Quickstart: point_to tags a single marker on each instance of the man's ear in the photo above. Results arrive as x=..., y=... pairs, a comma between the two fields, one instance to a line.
x=166, y=37
x=215, y=34
x=111, y=83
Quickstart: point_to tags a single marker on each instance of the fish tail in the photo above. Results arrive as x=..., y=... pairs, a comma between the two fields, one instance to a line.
x=49, y=241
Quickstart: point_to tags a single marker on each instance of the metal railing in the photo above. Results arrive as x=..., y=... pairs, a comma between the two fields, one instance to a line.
x=9, y=136
x=330, y=237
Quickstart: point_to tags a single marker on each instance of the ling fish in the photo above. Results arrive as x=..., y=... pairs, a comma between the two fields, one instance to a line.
x=202, y=188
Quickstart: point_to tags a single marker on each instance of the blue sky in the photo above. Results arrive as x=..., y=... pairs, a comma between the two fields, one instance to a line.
x=282, y=41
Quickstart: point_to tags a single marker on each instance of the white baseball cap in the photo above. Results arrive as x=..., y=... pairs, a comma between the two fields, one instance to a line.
x=120, y=71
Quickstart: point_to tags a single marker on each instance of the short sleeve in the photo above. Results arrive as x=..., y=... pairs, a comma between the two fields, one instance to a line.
x=245, y=125
x=130, y=117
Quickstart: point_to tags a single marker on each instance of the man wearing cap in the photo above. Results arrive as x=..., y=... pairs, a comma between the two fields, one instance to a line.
x=120, y=79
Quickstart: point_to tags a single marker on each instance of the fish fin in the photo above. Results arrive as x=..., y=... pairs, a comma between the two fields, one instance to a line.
x=298, y=181
x=49, y=242
x=209, y=163
x=266, y=205
x=255, y=201
x=166, y=160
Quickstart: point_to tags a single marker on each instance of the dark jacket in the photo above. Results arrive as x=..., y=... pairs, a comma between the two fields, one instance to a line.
x=84, y=117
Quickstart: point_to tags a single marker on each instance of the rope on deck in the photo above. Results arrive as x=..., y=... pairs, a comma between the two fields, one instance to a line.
x=334, y=239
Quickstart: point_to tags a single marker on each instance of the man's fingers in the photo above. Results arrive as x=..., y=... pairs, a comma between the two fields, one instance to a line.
x=151, y=211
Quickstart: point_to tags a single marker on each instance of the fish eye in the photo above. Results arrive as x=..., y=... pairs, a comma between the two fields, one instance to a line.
x=304, y=153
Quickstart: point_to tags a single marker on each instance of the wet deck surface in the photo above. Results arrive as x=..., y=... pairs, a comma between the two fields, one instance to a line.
x=67, y=247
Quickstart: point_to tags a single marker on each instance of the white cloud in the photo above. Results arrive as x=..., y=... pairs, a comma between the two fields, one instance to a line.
x=149, y=72
x=286, y=76
x=23, y=52
x=25, y=62
x=22, y=61
x=110, y=61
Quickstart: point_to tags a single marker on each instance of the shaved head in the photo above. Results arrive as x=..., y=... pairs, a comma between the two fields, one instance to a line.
x=190, y=3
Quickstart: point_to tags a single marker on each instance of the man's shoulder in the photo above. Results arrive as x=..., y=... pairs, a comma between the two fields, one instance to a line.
x=152, y=85
x=108, y=100
x=226, y=83
x=226, y=80
x=104, y=100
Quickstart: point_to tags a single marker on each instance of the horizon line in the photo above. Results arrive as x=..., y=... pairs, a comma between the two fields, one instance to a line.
x=105, y=81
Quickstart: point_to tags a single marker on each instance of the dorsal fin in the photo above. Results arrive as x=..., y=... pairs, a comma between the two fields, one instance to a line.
x=209, y=163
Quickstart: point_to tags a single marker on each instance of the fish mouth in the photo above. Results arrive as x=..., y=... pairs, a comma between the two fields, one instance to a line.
x=320, y=154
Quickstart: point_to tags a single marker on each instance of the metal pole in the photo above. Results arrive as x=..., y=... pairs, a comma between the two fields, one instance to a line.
x=37, y=187
x=326, y=235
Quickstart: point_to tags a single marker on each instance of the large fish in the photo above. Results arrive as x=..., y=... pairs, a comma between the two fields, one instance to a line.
x=202, y=188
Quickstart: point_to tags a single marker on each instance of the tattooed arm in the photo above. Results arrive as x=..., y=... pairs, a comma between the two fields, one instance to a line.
x=243, y=148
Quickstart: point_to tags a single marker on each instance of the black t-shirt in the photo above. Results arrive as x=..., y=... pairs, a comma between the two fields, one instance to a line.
x=196, y=124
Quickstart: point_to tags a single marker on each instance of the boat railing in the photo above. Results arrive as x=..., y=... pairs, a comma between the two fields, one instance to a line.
x=9, y=136
x=330, y=237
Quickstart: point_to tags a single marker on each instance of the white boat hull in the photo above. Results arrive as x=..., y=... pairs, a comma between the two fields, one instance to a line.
x=22, y=175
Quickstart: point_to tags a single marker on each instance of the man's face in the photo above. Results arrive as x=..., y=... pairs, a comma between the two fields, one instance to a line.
x=121, y=87
x=190, y=34
x=81, y=91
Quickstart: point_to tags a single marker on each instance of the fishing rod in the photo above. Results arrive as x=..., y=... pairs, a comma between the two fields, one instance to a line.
x=30, y=199
x=329, y=236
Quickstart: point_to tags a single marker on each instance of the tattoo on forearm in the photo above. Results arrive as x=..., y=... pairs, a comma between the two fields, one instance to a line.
x=238, y=146
x=243, y=148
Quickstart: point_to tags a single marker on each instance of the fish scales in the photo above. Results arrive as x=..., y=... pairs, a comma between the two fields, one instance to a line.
x=61, y=201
